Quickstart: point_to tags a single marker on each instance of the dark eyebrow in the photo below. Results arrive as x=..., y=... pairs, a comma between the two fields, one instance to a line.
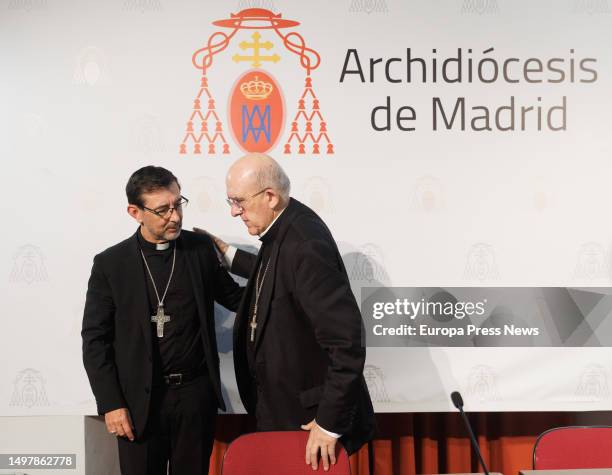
x=166, y=206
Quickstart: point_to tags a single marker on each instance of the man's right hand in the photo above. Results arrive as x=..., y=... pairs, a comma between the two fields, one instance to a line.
x=119, y=423
x=220, y=243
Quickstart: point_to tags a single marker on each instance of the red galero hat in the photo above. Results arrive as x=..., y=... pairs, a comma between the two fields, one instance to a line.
x=256, y=19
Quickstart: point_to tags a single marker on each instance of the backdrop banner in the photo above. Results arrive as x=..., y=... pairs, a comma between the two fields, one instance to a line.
x=458, y=150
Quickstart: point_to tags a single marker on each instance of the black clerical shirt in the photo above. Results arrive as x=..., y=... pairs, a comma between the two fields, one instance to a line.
x=180, y=349
x=264, y=255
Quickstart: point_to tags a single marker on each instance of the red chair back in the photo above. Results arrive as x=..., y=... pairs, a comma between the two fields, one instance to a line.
x=571, y=448
x=279, y=453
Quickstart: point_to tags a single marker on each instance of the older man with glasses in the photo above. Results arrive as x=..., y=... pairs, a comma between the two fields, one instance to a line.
x=298, y=352
x=149, y=344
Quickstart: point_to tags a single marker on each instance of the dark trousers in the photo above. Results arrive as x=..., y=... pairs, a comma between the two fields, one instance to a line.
x=179, y=435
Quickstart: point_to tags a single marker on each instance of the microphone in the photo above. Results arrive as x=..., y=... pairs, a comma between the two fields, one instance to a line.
x=458, y=403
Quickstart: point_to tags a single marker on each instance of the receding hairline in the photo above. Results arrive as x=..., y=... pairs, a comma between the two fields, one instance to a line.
x=263, y=170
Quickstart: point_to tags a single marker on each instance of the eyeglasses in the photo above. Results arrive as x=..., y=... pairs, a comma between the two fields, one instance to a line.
x=239, y=202
x=164, y=212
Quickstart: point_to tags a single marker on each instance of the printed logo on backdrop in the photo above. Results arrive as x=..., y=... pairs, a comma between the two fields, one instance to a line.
x=541, y=196
x=368, y=6
x=593, y=385
x=27, y=5
x=146, y=135
x=317, y=195
x=481, y=263
x=28, y=266
x=369, y=265
x=33, y=127
x=89, y=199
x=31, y=135
x=592, y=263
x=591, y=7
x=539, y=200
x=479, y=7
x=428, y=195
x=29, y=389
x=142, y=6
x=267, y=4
x=258, y=119
x=482, y=384
x=375, y=379
x=208, y=195
x=91, y=67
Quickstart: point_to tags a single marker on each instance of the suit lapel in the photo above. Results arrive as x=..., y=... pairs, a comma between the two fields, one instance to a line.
x=137, y=280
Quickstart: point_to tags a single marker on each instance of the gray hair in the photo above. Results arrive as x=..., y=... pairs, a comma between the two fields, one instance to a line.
x=273, y=176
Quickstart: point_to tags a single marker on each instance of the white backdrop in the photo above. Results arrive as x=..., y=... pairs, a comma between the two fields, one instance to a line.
x=91, y=91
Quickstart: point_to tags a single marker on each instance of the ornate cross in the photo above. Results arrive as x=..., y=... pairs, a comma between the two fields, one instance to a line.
x=160, y=318
x=256, y=46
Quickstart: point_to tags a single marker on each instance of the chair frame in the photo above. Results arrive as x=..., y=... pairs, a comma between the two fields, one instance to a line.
x=537, y=442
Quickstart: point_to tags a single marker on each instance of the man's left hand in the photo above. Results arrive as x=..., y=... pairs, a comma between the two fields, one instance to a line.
x=319, y=441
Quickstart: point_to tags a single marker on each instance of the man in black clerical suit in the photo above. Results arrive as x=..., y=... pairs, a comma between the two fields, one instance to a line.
x=298, y=351
x=149, y=345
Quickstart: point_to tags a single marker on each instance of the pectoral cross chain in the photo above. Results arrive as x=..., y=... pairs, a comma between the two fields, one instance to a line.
x=258, y=286
x=160, y=317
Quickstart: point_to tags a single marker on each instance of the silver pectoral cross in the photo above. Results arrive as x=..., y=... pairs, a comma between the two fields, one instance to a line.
x=160, y=318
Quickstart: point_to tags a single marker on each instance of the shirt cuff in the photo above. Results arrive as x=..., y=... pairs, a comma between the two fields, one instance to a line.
x=331, y=434
x=228, y=257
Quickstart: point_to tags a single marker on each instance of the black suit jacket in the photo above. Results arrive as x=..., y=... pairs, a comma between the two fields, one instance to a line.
x=117, y=347
x=309, y=355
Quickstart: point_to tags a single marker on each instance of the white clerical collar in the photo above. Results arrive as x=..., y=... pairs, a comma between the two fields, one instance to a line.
x=272, y=223
x=162, y=246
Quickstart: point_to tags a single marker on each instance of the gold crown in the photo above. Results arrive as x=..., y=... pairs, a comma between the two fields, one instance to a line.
x=256, y=89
